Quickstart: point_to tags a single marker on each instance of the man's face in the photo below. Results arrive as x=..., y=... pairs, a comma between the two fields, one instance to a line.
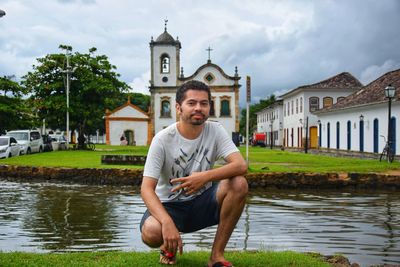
x=195, y=107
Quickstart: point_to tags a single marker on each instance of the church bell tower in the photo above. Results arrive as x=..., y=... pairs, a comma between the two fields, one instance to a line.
x=165, y=65
x=165, y=62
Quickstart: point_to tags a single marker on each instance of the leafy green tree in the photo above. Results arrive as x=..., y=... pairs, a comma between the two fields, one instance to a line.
x=252, y=116
x=10, y=87
x=14, y=111
x=94, y=86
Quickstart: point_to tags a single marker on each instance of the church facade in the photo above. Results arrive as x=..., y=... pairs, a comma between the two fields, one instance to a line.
x=167, y=75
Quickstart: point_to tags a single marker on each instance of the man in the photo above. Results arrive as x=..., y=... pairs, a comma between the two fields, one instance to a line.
x=179, y=183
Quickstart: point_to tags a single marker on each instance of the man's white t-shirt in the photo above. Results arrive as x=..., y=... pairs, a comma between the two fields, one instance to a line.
x=173, y=156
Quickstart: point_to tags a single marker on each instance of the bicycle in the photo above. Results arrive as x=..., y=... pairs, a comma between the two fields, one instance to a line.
x=387, y=153
x=90, y=146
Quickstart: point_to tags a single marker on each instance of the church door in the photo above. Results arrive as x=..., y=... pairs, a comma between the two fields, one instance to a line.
x=393, y=134
x=130, y=137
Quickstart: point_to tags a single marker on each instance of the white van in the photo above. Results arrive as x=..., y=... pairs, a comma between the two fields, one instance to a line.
x=30, y=141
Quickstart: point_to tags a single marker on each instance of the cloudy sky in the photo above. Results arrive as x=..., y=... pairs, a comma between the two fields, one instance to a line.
x=280, y=44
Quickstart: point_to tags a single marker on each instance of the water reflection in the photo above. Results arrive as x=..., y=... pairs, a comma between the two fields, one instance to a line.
x=364, y=226
x=67, y=219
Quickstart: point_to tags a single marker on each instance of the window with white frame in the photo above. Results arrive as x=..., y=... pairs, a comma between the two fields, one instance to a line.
x=314, y=103
x=301, y=105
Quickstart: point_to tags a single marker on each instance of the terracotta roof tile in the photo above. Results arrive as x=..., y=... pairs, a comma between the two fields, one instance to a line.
x=371, y=93
x=342, y=80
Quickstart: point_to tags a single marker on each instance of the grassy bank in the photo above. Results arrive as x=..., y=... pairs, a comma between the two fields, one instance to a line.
x=261, y=160
x=192, y=259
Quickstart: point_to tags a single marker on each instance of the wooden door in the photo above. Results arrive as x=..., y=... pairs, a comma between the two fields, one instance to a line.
x=313, y=137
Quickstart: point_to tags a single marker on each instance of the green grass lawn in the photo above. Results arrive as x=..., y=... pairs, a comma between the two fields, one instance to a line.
x=192, y=259
x=261, y=160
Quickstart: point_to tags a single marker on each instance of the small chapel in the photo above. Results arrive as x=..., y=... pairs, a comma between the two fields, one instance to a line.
x=166, y=76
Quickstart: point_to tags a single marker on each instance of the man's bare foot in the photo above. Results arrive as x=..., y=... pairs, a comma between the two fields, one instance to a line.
x=167, y=257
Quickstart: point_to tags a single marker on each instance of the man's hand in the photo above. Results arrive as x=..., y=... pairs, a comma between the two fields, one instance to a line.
x=190, y=184
x=172, y=238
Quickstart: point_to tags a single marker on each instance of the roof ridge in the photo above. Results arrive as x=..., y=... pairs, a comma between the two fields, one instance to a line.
x=344, y=73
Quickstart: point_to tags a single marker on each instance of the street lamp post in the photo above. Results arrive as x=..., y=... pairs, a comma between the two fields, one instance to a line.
x=272, y=133
x=68, y=71
x=389, y=93
x=306, y=143
x=305, y=126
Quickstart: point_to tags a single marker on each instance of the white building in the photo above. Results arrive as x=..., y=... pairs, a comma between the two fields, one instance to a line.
x=357, y=122
x=167, y=75
x=130, y=122
x=300, y=103
x=270, y=122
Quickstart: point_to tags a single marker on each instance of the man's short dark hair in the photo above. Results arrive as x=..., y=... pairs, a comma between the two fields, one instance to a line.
x=191, y=85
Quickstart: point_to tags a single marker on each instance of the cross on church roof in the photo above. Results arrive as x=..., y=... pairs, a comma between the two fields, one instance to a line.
x=209, y=53
x=165, y=23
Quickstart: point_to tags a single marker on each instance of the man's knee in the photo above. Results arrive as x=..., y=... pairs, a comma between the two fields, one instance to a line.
x=239, y=186
x=151, y=233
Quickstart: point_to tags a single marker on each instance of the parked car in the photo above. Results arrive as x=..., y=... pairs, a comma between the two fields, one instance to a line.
x=9, y=147
x=29, y=140
x=59, y=142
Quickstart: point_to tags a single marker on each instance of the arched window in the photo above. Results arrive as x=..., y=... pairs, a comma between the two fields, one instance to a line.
x=165, y=108
x=284, y=110
x=327, y=102
x=297, y=106
x=314, y=103
x=288, y=108
x=301, y=104
x=225, y=107
x=165, y=63
x=292, y=107
x=340, y=98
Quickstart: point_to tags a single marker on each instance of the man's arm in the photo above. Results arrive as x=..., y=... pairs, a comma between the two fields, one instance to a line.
x=235, y=166
x=170, y=234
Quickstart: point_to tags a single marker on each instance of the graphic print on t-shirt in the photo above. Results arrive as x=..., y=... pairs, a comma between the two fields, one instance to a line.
x=187, y=163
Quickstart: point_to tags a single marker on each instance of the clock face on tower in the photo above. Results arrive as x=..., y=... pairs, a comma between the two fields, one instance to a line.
x=165, y=79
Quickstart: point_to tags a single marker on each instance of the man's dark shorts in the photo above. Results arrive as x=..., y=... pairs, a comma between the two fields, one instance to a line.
x=195, y=214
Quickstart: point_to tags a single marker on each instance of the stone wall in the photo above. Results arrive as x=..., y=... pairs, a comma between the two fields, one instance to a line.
x=255, y=180
x=123, y=159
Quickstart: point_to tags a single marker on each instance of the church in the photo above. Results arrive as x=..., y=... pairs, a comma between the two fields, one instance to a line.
x=167, y=75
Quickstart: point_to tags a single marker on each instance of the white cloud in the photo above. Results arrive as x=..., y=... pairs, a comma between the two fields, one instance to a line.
x=140, y=84
x=280, y=44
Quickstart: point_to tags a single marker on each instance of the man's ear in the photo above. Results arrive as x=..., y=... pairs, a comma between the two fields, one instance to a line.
x=178, y=107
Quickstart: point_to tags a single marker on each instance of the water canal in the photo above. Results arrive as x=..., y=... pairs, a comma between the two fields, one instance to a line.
x=362, y=225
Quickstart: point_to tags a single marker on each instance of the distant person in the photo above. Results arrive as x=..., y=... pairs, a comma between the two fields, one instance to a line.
x=180, y=187
x=123, y=140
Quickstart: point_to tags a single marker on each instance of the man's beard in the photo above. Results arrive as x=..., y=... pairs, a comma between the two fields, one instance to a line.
x=196, y=121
